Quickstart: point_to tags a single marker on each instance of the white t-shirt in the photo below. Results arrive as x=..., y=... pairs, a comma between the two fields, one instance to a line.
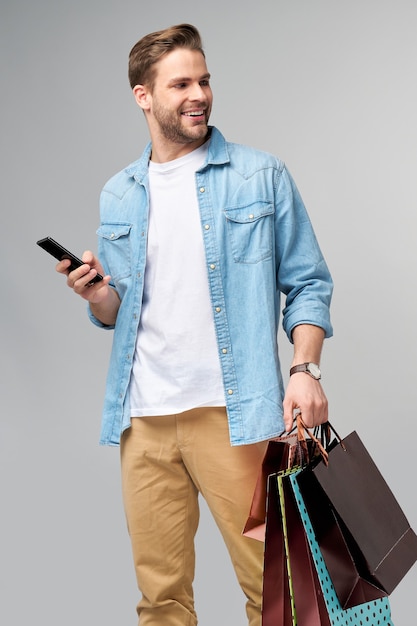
x=176, y=365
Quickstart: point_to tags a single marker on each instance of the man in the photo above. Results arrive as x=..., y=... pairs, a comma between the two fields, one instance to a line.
x=197, y=240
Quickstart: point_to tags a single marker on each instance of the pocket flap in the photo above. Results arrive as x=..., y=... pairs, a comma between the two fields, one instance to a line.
x=114, y=231
x=250, y=212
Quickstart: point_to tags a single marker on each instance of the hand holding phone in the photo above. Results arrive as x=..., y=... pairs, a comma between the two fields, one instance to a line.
x=60, y=253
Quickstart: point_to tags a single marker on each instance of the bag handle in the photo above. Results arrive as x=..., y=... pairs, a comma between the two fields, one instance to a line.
x=302, y=430
x=321, y=436
x=328, y=428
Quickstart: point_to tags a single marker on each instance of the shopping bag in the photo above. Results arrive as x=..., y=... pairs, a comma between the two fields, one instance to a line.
x=277, y=601
x=281, y=453
x=364, y=537
x=291, y=589
x=373, y=612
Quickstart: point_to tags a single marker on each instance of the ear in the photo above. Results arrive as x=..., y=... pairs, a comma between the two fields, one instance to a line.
x=142, y=96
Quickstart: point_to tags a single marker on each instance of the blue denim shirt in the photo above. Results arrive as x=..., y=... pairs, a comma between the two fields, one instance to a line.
x=259, y=243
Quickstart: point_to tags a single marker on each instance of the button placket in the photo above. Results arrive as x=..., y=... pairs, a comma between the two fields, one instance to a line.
x=216, y=292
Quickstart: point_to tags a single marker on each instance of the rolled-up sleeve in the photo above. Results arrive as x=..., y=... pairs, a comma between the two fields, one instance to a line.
x=302, y=272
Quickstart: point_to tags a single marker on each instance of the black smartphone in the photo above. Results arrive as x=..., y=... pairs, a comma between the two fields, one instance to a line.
x=60, y=253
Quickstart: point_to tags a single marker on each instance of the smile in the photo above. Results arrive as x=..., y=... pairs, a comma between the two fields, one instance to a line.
x=193, y=113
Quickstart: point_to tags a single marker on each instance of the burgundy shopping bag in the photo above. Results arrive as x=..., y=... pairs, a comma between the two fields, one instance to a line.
x=291, y=590
x=276, y=598
x=280, y=454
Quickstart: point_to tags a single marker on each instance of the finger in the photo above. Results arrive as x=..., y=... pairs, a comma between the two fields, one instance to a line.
x=78, y=278
x=309, y=419
x=88, y=257
x=288, y=417
x=62, y=266
x=316, y=415
x=89, y=290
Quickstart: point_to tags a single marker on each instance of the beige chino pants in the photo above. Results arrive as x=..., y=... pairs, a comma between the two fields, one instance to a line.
x=166, y=462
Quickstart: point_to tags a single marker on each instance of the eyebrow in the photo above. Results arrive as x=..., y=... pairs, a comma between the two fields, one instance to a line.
x=186, y=79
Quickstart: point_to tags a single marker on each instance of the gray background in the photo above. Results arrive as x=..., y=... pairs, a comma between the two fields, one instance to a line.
x=328, y=86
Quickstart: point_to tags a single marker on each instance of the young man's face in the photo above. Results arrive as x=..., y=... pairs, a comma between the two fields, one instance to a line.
x=179, y=105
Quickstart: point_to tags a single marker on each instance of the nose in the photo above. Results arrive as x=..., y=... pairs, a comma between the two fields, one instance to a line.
x=197, y=92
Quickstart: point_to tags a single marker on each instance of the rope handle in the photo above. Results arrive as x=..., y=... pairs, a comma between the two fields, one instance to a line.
x=320, y=436
x=302, y=430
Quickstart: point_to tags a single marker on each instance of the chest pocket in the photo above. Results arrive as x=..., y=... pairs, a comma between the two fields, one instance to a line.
x=116, y=248
x=250, y=231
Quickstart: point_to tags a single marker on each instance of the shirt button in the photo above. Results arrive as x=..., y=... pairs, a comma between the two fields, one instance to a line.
x=224, y=351
x=230, y=392
x=202, y=189
x=218, y=309
x=251, y=216
x=212, y=266
x=112, y=236
x=206, y=226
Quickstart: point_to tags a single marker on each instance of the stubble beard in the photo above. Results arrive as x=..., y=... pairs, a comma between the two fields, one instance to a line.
x=172, y=129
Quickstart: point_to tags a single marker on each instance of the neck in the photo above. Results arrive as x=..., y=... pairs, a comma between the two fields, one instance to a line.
x=163, y=154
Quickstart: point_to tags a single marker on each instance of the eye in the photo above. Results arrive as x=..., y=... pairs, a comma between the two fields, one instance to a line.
x=205, y=83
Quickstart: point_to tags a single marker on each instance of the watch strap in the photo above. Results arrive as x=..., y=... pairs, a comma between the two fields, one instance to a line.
x=305, y=367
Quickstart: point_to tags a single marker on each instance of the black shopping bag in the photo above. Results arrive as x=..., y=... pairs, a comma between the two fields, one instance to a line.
x=363, y=534
x=373, y=612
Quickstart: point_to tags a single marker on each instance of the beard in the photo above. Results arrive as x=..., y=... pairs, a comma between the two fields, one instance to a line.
x=173, y=129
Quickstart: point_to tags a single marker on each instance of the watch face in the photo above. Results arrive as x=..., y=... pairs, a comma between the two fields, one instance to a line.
x=314, y=370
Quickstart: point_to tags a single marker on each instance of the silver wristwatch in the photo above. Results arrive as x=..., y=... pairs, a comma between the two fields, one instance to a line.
x=309, y=368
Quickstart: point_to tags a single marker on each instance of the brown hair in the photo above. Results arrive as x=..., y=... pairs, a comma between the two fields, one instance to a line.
x=151, y=48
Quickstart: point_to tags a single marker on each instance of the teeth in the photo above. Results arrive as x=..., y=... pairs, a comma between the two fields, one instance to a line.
x=193, y=113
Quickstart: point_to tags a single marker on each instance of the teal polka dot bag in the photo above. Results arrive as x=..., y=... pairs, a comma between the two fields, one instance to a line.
x=374, y=613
